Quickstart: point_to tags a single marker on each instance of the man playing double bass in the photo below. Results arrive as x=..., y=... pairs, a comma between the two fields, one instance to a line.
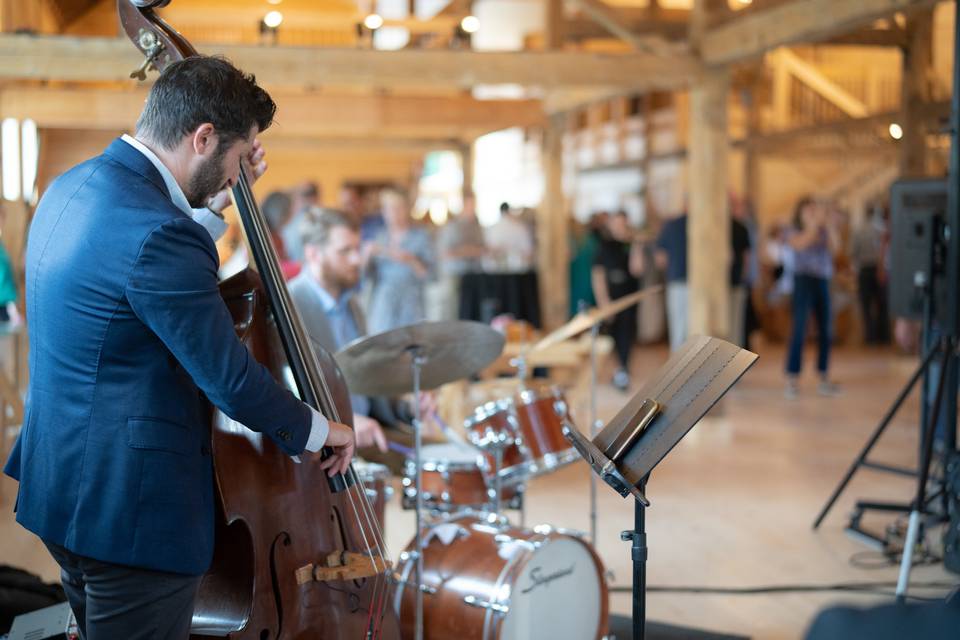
x=128, y=332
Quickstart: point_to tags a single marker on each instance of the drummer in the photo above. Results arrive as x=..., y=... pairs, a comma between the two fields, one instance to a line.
x=324, y=294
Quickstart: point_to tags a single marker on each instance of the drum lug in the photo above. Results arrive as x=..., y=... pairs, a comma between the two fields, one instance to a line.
x=398, y=579
x=560, y=408
x=474, y=601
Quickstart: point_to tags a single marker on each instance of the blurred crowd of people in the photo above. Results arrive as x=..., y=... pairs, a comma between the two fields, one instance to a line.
x=410, y=269
x=812, y=264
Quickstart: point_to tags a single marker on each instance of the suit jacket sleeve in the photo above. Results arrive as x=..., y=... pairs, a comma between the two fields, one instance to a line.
x=173, y=289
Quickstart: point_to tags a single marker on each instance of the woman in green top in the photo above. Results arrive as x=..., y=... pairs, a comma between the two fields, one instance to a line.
x=8, y=290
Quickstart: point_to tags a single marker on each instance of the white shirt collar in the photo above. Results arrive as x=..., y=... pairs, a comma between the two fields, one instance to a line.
x=173, y=187
x=214, y=224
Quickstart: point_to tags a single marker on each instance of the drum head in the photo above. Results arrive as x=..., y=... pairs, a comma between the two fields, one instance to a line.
x=370, y=471
x=557, y=595
x=456, y=454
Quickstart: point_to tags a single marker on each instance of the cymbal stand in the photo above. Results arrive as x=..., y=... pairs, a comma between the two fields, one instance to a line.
x=594, y=332
x=417, y=360
x=494, y=441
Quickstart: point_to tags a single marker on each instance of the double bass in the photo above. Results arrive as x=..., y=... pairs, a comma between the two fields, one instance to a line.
x=297, y=555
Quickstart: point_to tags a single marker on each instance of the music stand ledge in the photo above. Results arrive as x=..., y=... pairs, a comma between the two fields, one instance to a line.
x=641, y=435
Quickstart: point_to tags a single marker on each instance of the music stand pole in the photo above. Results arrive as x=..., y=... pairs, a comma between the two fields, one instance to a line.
x=638, y=553
x=416, y=363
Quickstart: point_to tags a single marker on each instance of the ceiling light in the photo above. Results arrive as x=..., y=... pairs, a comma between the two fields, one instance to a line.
x=896, y=131
x=273, y=19
x=470, y=24
x=274, y=1
x=373, y=21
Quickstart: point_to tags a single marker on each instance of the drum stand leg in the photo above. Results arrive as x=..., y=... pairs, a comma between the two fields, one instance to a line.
x=497, y=486
x=638, y=553
x=416, y=362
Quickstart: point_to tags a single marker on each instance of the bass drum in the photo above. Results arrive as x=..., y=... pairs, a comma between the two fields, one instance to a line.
x=488, y=581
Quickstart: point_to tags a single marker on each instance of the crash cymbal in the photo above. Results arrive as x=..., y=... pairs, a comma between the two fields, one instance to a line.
x=584, y=320
x=379, y=365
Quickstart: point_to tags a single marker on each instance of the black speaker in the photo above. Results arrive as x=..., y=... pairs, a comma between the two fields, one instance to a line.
x=917, y=244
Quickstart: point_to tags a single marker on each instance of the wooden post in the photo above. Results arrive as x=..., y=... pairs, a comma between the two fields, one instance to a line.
x=751, y=178
x=553, y=23
x=708, y=221
x=18, y=15
x=916, y=91
x=466, y=161
x=553, y=251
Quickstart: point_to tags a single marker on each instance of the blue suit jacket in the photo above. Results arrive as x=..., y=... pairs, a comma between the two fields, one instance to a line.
x=128, y=332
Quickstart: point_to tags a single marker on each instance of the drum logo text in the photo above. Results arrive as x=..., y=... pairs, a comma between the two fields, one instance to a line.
x=537, y=577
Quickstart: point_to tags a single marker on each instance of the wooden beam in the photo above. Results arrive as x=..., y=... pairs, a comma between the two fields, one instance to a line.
x=195, y=17
x=301, y=114
x=667, y=23
x=821, y=84
x=757, y=32
x=809, y=138
x=607, y=17
x=108, y=59
x=868, y=37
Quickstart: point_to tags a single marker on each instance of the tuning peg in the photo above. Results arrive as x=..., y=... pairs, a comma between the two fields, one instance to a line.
x=141, y=73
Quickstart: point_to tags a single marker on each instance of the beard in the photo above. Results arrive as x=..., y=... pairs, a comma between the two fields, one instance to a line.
x=208, y=180
x=340, y=276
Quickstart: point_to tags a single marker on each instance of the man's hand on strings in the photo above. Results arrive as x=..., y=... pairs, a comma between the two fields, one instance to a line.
x=341, y=441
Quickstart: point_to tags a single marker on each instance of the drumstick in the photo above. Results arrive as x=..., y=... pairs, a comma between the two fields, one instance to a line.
x=447, y=431
x=407, y=452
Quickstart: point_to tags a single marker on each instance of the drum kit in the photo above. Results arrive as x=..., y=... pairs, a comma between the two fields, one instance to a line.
x=469, y=573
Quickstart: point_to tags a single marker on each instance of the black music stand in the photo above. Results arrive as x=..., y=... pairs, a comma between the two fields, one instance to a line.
x=625, y=452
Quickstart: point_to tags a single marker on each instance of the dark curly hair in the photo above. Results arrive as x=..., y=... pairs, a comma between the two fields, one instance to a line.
x=202, y=89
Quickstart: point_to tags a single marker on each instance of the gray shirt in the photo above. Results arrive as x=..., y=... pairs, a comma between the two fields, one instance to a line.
x=460, y=233
x=397, y=298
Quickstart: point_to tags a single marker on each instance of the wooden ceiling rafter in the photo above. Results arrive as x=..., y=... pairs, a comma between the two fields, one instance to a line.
x=610, y=19
x=112, y=59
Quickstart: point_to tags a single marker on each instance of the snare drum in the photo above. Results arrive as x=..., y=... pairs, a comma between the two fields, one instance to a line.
x=454, y=477
x=493, y=582
x=540, y=417
x=376, y=481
